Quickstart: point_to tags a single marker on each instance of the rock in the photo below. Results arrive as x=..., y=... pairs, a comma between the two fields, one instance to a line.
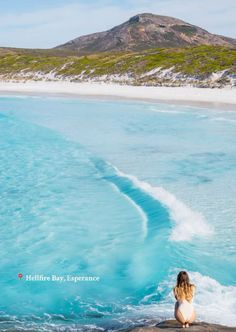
x=174, y=326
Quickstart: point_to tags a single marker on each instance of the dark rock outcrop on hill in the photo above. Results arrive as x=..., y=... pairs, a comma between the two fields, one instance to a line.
x=145, y=31
x=173, y=326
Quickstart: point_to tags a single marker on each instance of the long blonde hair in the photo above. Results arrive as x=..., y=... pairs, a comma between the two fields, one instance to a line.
x=184, y=289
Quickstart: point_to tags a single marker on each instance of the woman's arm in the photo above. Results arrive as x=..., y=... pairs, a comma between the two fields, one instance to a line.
x=193, y=289
x=175, y=293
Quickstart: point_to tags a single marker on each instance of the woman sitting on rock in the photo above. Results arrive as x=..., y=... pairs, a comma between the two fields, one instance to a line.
x=184, y=292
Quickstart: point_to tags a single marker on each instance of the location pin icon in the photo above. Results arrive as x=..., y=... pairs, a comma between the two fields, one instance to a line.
x=20, y=275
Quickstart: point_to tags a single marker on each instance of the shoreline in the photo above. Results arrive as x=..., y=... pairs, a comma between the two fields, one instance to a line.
x=170, y=325
x=174, y=326
x=224, y=98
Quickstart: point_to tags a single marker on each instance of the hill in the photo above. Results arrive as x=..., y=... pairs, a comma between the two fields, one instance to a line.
x=146, y=31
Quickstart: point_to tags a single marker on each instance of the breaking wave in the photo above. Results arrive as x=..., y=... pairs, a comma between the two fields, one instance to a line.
x=188, y=223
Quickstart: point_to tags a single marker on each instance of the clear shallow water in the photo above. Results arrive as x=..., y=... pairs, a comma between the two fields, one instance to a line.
x=127, y=191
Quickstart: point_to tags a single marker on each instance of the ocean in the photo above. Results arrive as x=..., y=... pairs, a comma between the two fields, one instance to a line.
x=103, y=202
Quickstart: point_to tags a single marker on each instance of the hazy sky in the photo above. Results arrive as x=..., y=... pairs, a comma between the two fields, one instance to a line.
x=47, y=23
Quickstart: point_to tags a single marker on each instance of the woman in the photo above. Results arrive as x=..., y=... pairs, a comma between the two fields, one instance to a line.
x=184, y=292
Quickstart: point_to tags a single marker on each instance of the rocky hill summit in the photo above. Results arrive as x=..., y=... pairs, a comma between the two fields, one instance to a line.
x=146, y=31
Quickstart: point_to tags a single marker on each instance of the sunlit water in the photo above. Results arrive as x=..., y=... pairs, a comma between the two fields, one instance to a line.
x=128, y=191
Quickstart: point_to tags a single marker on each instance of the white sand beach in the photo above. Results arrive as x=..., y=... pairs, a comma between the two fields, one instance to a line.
x=225, y=97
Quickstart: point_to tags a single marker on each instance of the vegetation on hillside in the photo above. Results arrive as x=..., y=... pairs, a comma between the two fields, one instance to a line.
x=199, y=61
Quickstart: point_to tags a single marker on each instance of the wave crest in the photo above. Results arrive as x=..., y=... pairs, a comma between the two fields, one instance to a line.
x=188, y=223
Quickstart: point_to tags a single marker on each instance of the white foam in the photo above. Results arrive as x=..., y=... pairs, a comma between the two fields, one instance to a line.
x=153, y=109
x=188, y=223
x=138, y=208
x=223, y=119
x=213, y=302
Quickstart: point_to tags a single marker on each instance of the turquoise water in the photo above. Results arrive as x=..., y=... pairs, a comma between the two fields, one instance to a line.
x=126, y=191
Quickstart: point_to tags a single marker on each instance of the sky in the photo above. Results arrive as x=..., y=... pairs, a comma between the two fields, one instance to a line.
x=48, y=23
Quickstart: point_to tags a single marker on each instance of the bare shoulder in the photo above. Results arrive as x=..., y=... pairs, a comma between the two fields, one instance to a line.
x=175, y=291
